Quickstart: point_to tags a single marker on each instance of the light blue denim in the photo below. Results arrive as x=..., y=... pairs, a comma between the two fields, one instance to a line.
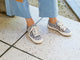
x=47, y=8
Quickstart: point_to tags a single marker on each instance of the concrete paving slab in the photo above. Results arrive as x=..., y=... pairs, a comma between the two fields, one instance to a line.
x=12, y=28
x=15, y=54
x=55, y=46
x=3, y=47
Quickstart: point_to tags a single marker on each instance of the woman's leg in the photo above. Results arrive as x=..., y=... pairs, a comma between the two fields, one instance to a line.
x=29, y=22
x=33, y=31
x=29, y=19
x=48, y=8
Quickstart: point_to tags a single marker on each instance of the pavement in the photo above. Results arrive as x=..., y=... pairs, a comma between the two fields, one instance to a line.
x=16, y=45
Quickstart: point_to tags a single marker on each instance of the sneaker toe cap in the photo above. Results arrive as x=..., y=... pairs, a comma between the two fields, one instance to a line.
x=67, y=31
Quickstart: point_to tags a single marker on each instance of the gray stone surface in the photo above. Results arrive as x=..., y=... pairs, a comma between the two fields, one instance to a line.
x=54, y=46
x=3, y=47
x=14, y=54
x=11, y=29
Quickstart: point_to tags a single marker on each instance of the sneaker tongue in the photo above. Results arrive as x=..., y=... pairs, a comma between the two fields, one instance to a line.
x=61, y=25
x=29, y=28
x=36, y=32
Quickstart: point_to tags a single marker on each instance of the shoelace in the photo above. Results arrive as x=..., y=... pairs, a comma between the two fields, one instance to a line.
x=62, y=26
x=35, y=31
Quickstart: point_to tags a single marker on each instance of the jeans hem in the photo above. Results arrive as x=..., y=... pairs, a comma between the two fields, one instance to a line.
x=48, y=16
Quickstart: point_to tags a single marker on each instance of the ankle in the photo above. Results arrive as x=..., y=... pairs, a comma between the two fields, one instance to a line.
x=30, y=22
x=53, y=20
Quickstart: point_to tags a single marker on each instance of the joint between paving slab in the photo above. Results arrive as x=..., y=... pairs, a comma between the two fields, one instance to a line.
x=20, y=50
x=13, y=44
x=17, y=41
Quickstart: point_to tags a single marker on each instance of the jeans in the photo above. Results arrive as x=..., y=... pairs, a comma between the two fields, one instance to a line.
x=47, y=8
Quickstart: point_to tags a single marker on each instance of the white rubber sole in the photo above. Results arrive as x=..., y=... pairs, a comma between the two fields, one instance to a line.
x=35, y=41
x=62, y=33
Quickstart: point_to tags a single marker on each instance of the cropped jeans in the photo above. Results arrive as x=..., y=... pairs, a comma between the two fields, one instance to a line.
x=47, y=8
